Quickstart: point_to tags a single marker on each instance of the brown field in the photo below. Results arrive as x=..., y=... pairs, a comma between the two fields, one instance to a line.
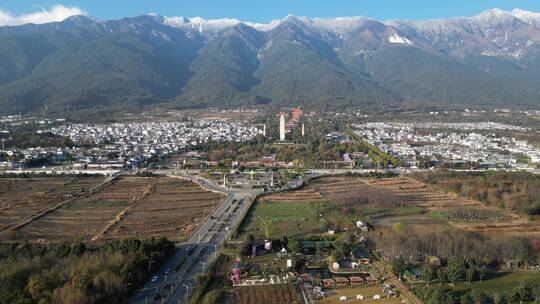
x=128, y=207
x=407, y=192
x=22, y=197
x=169, y=210
x=268, y=294
x=419, y=194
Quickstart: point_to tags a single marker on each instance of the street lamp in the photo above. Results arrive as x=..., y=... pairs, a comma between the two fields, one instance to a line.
x=203, y=263
x=215, y=250
x=126, y=285
x=150, y=267
x=187, y=291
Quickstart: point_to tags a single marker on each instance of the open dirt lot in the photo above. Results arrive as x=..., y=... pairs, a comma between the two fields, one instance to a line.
x=136, y=207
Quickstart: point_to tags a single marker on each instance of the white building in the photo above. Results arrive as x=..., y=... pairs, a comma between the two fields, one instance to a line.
x=282, y=126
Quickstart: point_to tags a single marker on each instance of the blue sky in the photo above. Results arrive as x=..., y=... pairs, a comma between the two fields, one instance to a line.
x=264, y=11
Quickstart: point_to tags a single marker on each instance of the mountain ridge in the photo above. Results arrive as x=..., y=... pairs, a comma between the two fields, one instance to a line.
x=489, y=59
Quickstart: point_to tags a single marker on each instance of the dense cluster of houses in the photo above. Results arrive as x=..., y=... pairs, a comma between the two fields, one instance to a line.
x=135, y=142
x=119, y=145
x=471, y=142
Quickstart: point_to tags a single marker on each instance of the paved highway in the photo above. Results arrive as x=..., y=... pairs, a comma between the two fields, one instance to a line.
x=192, y=257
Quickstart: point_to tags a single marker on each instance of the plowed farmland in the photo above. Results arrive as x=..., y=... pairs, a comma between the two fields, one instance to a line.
x=436, y=200
x=128, y=207
x=169, y=210
x=22, y=197
x=269, y=294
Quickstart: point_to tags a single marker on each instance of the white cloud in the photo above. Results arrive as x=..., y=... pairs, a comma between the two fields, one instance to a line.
x=55, y=14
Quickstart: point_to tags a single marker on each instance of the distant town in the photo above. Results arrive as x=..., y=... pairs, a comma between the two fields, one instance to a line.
x=454, y=142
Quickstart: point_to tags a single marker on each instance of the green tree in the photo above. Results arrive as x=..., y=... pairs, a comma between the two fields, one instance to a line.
x=212, y=297
x=436, y=297
x=466, y=299
x=77, y=249
x=481, y=273
x=293, y=244
x=399, y=266
x=398, y=227
x=441, y=275
x=455, y=269
x=428, y=273
x=319, y=249
x=470, y=274
x=478, y=296
x=496, y=297
x=525, y=290
x=267, y=226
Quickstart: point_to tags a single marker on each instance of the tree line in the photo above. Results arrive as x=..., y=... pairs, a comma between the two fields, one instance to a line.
x=515, y=191
x=73, y=273
x=413, y=244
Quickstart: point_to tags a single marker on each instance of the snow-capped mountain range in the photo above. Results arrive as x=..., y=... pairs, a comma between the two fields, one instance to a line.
x=501, y=31
x=81, y=62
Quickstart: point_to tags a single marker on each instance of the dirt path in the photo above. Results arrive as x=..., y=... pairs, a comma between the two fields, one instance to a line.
x=121, y=215
x=406, y=293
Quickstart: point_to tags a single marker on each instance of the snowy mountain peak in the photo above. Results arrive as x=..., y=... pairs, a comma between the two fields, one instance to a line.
x=201, y=24
x=527, y=16
x=397, y=39
x=495, y=16
x=344, y=25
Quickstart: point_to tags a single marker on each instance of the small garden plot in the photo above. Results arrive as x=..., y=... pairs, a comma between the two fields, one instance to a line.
x=469, y=215
x=268, y=294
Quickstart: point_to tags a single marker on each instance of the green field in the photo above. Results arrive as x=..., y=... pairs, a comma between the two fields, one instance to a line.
x=287, y=218
x=496, y=282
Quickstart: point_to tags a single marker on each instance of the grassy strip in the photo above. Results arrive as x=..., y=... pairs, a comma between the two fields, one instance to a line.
x=96, y=204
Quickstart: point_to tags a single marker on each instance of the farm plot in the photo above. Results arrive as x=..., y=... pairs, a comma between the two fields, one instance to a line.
x=268, y=294
x=388, y=200
x=340, y=188
x=171, y=210
x=102, y=214
x=322, y=203
x=86, y=217
x=466, y=214
x=301, y=196
x=22, y=197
